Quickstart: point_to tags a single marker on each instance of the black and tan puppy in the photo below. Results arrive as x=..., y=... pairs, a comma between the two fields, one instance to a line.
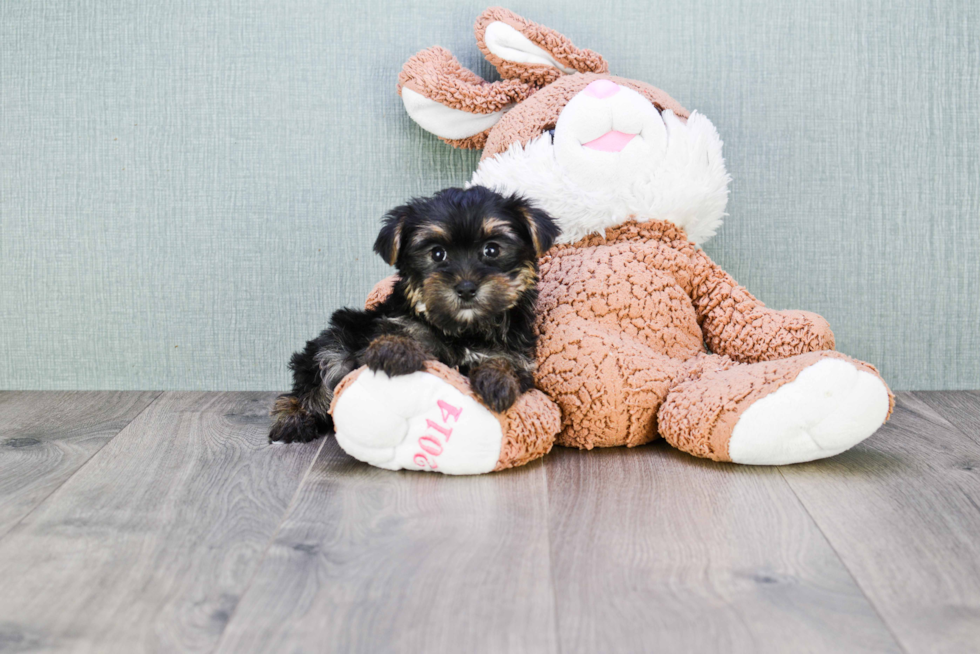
x=467, y=263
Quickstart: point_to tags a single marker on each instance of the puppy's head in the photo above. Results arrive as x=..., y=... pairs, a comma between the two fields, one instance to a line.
x=466, y=255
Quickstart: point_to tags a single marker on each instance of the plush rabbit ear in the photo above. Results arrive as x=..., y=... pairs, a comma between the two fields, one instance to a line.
x=454, y=103
x=521, y=49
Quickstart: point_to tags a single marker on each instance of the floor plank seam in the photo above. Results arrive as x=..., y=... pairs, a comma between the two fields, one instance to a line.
x=850, y=573
x=275, y=534
x=949, y=420
x=551, y=559
x=80, y=467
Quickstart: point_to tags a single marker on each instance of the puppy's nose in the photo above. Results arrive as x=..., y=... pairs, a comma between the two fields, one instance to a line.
x=466, y=290
x=602, y=88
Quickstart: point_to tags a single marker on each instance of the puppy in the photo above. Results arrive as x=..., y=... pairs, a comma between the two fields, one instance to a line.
x=467, y=264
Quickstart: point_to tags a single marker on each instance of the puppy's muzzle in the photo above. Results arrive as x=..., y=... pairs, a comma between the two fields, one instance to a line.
x=466, y=290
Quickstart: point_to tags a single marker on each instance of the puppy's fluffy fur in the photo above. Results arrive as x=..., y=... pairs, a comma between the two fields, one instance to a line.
x=467, y=266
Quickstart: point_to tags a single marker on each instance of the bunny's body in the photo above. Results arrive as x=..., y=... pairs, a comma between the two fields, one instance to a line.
x=640, y=333
x=624, y=320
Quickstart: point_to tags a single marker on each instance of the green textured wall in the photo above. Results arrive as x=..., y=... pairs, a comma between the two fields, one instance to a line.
x=188, y=189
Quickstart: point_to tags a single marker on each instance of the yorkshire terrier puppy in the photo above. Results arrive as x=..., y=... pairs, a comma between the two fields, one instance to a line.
x=467, y=263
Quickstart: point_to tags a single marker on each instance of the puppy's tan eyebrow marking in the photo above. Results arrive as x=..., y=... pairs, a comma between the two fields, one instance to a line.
x=429, y=232
x=495, y=226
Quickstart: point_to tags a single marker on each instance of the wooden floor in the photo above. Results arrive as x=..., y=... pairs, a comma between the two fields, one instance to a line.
x=164, y=522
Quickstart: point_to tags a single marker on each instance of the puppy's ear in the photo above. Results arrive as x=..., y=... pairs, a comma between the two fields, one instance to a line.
x=540, y=225
x=389, y=242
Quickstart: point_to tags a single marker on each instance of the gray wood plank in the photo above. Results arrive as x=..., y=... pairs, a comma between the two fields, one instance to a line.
x=656, y=551
x=46, y=436
x=150, y=545
x=960, y=408
x=377, y=561
x=902, y=510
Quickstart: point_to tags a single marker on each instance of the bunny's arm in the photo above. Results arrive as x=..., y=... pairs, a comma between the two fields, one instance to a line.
x=380, y=292
x=735, y=323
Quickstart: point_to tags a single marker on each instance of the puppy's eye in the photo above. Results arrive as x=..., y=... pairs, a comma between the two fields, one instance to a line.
x=438, y=254
x=491, y=250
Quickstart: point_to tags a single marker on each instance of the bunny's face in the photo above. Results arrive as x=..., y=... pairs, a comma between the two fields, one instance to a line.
x=591, y=149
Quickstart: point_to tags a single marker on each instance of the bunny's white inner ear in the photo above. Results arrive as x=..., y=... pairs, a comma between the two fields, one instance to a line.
x=445, y=122
x=510, y=45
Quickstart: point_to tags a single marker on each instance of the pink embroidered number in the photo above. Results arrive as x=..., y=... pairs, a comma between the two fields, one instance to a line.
x=445, y=431
x=449, y=410
x=422, y=462
x=429, y=443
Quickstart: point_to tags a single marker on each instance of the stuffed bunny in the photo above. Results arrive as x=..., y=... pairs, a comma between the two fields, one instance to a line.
x=640, y=334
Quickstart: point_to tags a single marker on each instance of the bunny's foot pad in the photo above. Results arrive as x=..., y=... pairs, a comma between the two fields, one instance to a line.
x=432, y=421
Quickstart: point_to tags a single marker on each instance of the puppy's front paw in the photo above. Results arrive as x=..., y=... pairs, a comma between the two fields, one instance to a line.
x=496, y=383
x=394, y=355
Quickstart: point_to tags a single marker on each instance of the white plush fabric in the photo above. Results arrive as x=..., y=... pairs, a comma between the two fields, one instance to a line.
x=388, y=422
x=670, y=171
x=510, y=45
x=830, y=407
x=442, y=120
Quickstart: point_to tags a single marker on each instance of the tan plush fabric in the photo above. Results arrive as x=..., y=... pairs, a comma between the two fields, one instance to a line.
x=558, y=45
x=380, y=291
x=436, y=74
x=736, y=324
x=529, y=428
x=623, y=319
x=712, y=392
x=540, y=111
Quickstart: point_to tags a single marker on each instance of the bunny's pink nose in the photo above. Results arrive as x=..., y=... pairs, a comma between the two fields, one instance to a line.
x=602, y=88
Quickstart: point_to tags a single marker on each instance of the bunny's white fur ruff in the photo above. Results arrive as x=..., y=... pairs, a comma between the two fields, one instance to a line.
x=680, y=178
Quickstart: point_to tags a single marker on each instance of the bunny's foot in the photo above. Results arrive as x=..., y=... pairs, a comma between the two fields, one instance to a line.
x=803, y=408
x=432, y=421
